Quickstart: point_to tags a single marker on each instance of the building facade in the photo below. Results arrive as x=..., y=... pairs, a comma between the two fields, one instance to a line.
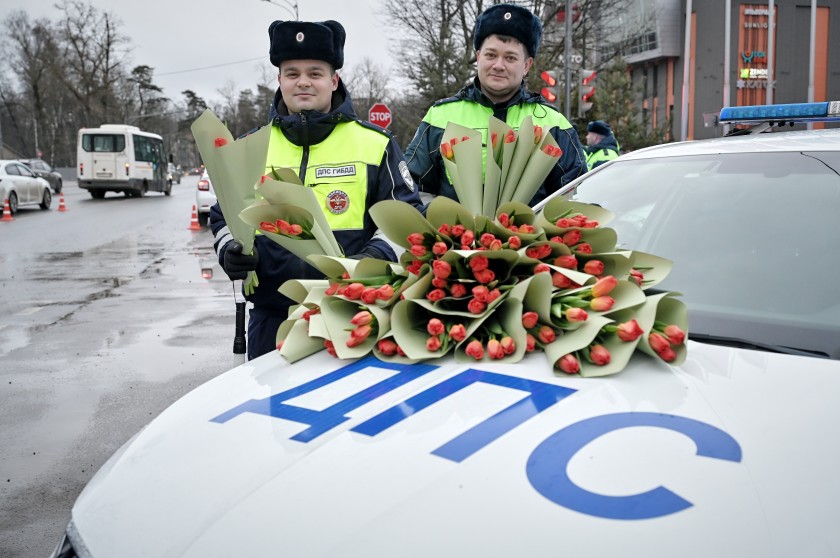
x=731, y=59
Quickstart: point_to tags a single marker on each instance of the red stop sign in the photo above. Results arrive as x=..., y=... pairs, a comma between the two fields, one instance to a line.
x=380, y=115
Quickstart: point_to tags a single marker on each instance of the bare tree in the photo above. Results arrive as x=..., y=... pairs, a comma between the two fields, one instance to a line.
x=368, y=84
x=435, y=49
x=33, y=48
x=92, y=59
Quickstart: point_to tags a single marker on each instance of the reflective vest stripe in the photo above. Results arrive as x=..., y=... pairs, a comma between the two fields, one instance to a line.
x=602, y=155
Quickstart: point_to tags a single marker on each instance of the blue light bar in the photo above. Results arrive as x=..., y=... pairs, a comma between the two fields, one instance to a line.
x=794, y=112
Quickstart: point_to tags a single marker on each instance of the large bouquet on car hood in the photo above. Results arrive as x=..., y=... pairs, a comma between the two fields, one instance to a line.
x=490, y=279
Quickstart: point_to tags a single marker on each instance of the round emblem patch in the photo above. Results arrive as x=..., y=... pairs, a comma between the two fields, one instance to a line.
x=299, y=37
x=338, y=202
x=507, y=15
x=406, y=175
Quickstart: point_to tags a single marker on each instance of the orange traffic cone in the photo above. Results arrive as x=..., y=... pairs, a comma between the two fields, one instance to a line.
x=7, y=211
x=61, y=206
x=194, y=226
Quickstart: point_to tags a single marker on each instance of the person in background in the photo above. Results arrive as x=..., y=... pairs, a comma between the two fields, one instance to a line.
x=349, y=165
x=601, y=145
x=506, y=40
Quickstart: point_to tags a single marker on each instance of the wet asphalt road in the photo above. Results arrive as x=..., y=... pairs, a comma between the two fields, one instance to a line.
x=105, y=320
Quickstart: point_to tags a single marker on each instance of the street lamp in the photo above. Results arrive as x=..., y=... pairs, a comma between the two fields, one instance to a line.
x=287, y=5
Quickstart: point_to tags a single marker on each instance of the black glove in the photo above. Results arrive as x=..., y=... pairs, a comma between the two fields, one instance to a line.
x=236, y=264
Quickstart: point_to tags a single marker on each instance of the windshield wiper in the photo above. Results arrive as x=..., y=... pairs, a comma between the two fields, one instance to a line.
x=749, y=344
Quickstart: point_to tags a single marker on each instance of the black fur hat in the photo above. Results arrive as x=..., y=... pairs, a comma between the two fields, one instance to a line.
x=304, y=40
x=510, y=20
x=599, y=127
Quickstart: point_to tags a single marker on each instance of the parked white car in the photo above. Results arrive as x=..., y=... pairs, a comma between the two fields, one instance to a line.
x=205, y=198
x=21, y=187
x=731, y=453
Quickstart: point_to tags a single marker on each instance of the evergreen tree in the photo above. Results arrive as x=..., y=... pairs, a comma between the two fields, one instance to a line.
x=616, y=102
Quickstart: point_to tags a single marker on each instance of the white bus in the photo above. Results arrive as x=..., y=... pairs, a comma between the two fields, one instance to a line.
x=121, y=158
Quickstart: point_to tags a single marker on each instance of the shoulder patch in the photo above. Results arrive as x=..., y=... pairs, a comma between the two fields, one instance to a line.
x=409, y=182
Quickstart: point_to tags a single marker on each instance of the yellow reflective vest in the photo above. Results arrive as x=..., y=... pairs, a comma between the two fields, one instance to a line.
x=336, y=169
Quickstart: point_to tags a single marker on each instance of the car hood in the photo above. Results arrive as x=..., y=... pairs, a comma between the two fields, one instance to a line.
x=732, y=453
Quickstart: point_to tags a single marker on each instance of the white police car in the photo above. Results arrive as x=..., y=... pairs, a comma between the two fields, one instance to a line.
x=730, y=454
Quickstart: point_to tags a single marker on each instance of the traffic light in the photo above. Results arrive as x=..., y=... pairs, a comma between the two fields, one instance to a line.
x=586, y=90
x=549, y=92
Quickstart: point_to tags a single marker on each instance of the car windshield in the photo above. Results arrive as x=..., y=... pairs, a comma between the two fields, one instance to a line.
x=753, y=238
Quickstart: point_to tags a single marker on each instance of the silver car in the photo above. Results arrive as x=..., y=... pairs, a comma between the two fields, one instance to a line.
x=20, y=186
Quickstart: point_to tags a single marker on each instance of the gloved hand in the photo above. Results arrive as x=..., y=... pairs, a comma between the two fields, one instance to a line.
x=236, y=264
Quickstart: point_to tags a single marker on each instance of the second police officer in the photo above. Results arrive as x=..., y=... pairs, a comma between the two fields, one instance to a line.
x=506, y=40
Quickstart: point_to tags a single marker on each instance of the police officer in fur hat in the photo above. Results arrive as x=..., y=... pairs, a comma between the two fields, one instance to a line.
x=506, y=40
x=601, y=145
x=349, y=165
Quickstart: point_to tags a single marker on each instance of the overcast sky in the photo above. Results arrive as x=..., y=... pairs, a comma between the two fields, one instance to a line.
x=204, y=44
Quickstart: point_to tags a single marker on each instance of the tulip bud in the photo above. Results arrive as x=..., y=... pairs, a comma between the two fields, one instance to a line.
x=479, y=263
x=604, y=286
x=546, y=334
x=385, y=292
x=529, y=319
x=658, y=342
x=566, y=262
x=361, y=332
x=484, y=276
x=457, y=290
x=594, y=267
x=494, y=349
x=481, y=293
x=435, y=295
x=475, y=349
x=599, y=355
x=508, y=344
x=435, y=327
x=668, y=355
x=560, y=281
x=576, y=315
x=418, y=250
x=476, y=306
x=675, y=335
x=433, y=343
x=387, y=347
x=514, y=243
x=458, y=332
x=602, y=303
x=362, y=318
x=439, y=248
x=370, y=295
x=354, y=291
x=441, y=269
x=629, y=331
x=530, y=343
x=572, y=237
x=569, y=364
